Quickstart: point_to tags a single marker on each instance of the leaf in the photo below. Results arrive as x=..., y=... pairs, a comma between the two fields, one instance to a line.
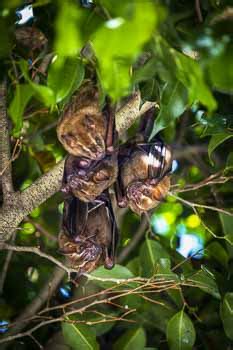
x=79, y=337
x=181, y=334
x=42, y=92
x=217, y=140
x=221, y=71
x=217, y=252
x=132, y=339
x=173, y=66
x=146, y=72
x=227, y=226
x=164, y=268
x=65, y=75
x=226, y=313
x=134, y=266
x=173, y=103
x=229, y=165
x=23, y=94
x=118, y=273
x=156, y=316
x=190, y=73
x=126, y=37
x=206, y=282
x=68, y=39
x=150, y=253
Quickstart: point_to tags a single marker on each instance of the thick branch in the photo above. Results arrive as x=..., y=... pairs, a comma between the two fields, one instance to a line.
x=22, y=204
x=5, y=152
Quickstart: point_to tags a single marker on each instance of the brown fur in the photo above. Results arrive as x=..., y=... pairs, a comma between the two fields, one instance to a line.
x=82, y=127
x=89, y=250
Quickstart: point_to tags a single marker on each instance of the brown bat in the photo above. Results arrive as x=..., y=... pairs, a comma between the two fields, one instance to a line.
x=83, y=127
x=143, y=179
x=86, y=178
x=90, y=235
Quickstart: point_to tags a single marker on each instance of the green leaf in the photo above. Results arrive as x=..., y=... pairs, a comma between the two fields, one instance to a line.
x=150, y=253
x=146, y=72
x=173, y=103
x=190, y=73
x=173, y=65
x=227, y=226
x=216, y=251
x=65, y=76
x=68, y=39
x=221, y=71
x=125, y=38
x=23, y=94
x=117, y=274
x=156, y=316
x=43, y=93
x=217, y=140
x=226, y=313
x=134, y=266
x=132, y=339
x=79, y=336
x=181, y=334
x=206, y=282
x=229, y=165
x=164, y=268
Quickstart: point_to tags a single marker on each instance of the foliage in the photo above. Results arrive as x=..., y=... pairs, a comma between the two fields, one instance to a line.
x=174, y=289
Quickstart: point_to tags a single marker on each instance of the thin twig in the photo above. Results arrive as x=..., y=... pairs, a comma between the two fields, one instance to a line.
x=198, y=205
x=6, y=265
x=37, y=251
x=198, y=11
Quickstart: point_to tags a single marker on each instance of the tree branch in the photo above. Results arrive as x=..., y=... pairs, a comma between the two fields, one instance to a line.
x=5, y=147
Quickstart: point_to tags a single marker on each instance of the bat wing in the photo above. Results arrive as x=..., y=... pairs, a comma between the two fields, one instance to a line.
x=75, y=216
x=111, y=248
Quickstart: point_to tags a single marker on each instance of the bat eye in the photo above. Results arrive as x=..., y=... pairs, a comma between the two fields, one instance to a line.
x=98, y=141
x=101, y=176
x=146, y=192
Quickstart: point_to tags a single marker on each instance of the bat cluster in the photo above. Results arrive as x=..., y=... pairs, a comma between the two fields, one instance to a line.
x=139, y=169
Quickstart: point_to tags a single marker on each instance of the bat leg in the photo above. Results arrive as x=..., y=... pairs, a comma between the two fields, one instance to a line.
x=108, y=260
x=121, y=199
x=111, y=134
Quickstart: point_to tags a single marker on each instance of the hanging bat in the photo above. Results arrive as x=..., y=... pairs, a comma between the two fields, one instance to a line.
x=83, y=127
x=90, y=234
x=144, y=168
x=86, y=178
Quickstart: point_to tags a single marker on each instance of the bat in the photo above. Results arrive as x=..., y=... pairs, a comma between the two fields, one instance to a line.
x=144, y=167
x=86, y=178
x=83, y=127
x=89, y=235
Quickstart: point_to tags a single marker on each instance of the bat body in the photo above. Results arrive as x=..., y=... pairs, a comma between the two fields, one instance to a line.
x=89, y=136
x=87, y=179
x=82, y=128
x=143, y=179
x=90, y=235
